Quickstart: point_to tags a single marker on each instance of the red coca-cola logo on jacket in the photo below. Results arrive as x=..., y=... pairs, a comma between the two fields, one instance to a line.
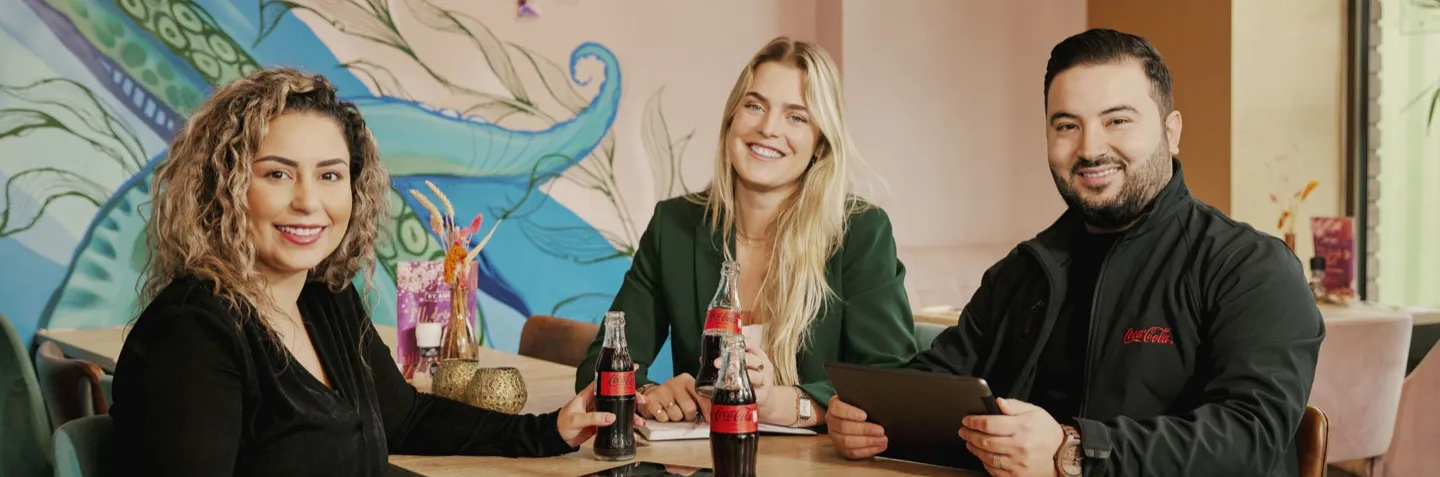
x=1151, y=335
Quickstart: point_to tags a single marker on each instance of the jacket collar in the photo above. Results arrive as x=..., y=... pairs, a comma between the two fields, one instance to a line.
x=1054, y=242
x=709, y=256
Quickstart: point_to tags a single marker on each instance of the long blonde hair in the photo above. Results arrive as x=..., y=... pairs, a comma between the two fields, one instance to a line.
x=811, y=223
x=200, y=224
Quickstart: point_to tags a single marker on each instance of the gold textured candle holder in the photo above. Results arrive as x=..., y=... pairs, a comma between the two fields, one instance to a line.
x=497, y=389
x=453, y=377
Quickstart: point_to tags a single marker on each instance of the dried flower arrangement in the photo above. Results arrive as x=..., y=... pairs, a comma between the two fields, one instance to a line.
x=458, y=341
x=1290, y=210
x=455, y=238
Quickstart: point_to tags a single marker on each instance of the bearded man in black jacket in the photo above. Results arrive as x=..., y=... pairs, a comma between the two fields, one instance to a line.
x=1144, y=332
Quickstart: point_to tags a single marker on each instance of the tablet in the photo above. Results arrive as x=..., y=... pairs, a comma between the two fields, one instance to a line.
x=920, y=411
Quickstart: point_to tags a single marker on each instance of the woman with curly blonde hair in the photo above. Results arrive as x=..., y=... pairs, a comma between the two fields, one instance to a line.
x=255, y=354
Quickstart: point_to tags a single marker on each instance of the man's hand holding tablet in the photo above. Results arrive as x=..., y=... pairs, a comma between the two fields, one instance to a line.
x=853, y=437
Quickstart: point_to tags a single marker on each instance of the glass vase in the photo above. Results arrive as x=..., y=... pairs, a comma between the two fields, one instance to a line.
x=459, y=341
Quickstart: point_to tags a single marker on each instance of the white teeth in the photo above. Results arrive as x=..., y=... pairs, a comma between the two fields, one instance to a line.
x=763, y=151
x=301, y=231
x=1106, y=172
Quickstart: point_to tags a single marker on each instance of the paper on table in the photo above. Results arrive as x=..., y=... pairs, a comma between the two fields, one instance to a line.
x=671, y=431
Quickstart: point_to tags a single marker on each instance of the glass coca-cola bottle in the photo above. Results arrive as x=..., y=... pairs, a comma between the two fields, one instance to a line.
x=734, y=416
x=721, y=320
x=615, y=392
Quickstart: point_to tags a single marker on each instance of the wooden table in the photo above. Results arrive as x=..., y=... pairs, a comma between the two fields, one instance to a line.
x=944, y=316
x=550, y=386
x=779, y=455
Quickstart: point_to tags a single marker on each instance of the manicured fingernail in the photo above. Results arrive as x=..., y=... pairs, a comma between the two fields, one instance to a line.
x=609, y=418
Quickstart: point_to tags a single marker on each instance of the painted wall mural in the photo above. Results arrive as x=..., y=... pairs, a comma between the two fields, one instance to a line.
x=91, y=91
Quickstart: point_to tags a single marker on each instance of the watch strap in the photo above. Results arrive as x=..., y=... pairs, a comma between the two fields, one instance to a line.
x=804, y=407
x=1068, y=456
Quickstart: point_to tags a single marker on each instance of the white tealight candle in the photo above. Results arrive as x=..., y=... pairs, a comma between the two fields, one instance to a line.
x=427, y=335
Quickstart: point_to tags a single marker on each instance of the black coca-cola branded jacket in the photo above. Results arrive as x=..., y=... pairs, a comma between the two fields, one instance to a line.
x=1202, y=342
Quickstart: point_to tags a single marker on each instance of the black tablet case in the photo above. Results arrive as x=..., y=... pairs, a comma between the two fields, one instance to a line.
x=921, y=412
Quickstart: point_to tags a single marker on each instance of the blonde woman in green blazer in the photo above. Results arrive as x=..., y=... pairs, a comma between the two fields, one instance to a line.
x=818, y=270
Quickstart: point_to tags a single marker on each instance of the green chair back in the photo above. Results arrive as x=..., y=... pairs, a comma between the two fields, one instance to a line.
x=83, y=446
x=925, y=334
x=24, y=424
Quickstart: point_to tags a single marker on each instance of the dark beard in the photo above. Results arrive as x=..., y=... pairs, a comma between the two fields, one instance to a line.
x=1139, y=189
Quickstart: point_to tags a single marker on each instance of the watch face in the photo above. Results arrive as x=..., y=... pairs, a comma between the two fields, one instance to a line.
x=1069, y=464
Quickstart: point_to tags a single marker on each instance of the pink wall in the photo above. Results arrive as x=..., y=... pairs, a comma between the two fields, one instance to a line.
x=946, y=102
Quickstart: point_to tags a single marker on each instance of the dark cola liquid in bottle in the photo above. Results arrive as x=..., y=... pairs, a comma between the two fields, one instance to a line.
x=615, y=393
x=734, y=416
x=722, y=319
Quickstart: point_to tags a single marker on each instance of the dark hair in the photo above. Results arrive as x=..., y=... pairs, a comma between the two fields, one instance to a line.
x=1101, y=46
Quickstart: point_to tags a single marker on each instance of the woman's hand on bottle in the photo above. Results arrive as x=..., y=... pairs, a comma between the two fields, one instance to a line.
x=674, y=401
x=761, y=372
x=578, y=420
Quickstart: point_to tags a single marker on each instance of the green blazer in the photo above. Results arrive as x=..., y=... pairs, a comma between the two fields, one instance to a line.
x=677, y=268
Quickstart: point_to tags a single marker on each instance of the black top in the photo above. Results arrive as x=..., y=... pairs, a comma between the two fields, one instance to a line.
x=1060, y=378
x=1203, y=341
x=197, y=395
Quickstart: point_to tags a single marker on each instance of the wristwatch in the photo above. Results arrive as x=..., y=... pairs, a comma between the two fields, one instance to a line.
x=1067, y=458
x=804, y=407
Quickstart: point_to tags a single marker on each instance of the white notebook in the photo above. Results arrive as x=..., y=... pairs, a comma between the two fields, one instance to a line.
x=671, y=431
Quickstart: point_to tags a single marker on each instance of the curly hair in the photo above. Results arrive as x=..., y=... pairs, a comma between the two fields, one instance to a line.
x=200, y=224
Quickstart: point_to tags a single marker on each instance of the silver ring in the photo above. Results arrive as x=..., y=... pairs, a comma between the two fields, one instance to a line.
x=995, y=461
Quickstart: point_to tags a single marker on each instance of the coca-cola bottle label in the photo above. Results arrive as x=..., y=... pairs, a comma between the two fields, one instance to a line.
x=734, y=419
x=617, y=383
x=722, y=319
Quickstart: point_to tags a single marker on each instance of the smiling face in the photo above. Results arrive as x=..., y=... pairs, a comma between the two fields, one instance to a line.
x=300, y=196
x=771, y=138
x=1109, y=146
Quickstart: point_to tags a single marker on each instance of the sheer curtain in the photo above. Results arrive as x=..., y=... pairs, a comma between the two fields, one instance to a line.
x=1409, y=152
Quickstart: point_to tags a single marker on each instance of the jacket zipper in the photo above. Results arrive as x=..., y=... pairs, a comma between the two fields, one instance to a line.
x=1090, y=327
